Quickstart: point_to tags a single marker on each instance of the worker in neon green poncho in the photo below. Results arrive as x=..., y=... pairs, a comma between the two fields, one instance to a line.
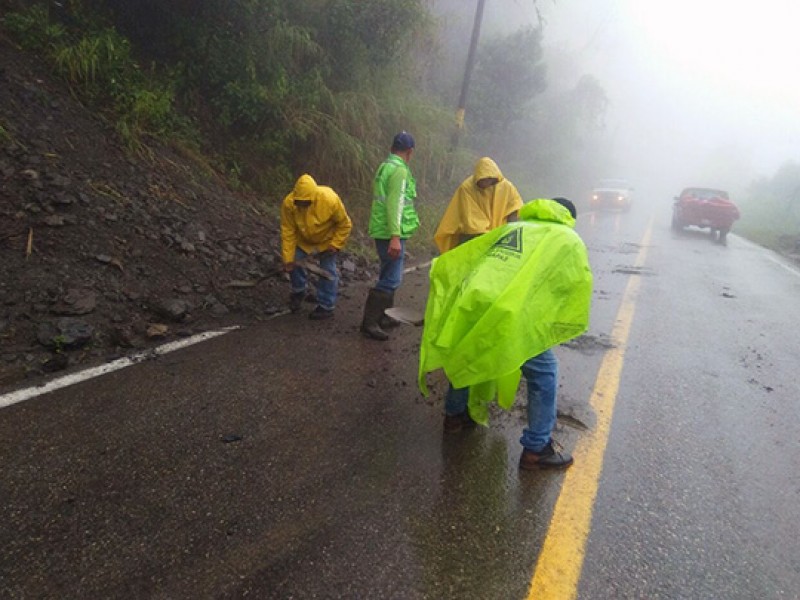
x=496, y=307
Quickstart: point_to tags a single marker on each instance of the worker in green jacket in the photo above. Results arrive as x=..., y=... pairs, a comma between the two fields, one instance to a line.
x=393, y=219
x=497, y=306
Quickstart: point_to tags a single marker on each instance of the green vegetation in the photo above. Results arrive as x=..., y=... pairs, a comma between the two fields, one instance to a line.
x=98, y=64
x=508, y=77
x=5, y=136
x=58, y=342
x=33, y=28
x=262, y=91
x=771, y=210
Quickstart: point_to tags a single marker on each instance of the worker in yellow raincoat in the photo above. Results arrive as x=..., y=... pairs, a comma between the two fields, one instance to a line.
x=313, y=222
x=483, y=201
x=496, y=307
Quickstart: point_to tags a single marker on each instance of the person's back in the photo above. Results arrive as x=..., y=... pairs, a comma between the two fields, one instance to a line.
x=313, y=217
x=498, y=304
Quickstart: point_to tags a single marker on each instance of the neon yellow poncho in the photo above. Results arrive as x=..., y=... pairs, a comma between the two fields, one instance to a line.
x=502, y=298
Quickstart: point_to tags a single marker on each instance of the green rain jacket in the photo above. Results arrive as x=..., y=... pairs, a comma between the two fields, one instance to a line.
x=393, y=194
x=502, y=298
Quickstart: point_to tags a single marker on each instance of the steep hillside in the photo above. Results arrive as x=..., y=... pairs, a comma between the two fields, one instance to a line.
x=102, y=252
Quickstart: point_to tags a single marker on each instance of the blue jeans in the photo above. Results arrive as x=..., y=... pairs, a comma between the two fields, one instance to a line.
x=541, y=375
x=326, y=288
x=391, y=275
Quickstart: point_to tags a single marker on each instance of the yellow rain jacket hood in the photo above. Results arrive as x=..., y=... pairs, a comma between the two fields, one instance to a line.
x=319, y=226
x=473, y=210
x=502, y=298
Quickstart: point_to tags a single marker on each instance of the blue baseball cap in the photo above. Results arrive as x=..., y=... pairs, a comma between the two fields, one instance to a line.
x=402, y=141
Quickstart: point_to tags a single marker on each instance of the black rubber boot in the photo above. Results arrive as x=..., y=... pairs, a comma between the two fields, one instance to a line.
x=387, y=322
x=377, y=302
x=296, y=301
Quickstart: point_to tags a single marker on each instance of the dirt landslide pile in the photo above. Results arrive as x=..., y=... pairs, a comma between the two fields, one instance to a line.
x=102, y=252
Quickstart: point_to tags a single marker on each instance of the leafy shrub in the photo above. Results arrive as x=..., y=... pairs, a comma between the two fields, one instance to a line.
x=100, y=63
x=99, y=66
x=33, y=29
x=145, y=111
x=771, y=209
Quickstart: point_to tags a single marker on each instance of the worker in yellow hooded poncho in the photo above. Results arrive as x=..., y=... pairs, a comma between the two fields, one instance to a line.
x=313, y=221
x=483, y=201
x=497, y=305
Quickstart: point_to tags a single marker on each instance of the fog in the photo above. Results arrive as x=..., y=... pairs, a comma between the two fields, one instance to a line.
x=702, y=92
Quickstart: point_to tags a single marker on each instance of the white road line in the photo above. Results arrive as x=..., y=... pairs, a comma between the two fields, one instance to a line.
x=771, y=255
x=121, y=363
x=777, y=261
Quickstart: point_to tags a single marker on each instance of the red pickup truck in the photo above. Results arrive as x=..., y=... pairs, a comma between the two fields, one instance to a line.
x=705, y=207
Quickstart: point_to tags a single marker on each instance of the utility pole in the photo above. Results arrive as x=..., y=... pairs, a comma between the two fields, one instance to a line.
x=473, y=49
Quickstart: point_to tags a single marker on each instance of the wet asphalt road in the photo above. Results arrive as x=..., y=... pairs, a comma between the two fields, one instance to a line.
x=343, y=486
x=700, y=496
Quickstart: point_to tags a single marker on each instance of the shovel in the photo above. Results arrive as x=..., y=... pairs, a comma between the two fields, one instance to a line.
x=405, y=315
x=306, y=264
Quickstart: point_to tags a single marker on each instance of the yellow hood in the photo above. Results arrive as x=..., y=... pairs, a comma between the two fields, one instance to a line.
x=317, y=227
x=305, y=188
x=486, y=168
x=473, y=211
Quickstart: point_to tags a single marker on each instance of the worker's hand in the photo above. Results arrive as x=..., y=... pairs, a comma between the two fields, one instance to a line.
x=395, y=249
x=288, y=267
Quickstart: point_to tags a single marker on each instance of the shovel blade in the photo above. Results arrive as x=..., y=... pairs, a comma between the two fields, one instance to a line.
x=405, y=315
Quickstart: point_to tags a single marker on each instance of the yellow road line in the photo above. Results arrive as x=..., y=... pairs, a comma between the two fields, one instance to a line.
x=558, y=569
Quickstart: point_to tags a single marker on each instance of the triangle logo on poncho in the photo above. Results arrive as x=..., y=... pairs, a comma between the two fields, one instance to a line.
x=511, y=241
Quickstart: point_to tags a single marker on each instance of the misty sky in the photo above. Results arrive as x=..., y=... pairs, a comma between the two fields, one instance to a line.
x=703, y=92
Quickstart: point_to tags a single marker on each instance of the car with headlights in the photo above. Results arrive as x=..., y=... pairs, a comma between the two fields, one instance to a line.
x=611, y=194
x=705, y=208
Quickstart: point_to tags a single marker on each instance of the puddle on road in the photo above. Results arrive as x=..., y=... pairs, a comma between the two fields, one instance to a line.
x=629, y=248
x=590, y=344
x=623, y=248
x=572, y=421
x=633, y=270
